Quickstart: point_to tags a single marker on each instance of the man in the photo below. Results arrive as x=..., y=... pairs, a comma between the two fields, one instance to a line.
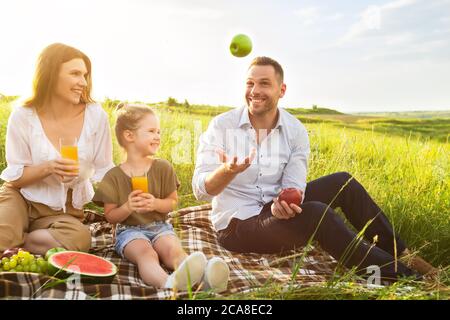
x=247, y=155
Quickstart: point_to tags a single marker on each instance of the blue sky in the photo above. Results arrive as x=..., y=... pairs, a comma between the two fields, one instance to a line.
x=353, y=56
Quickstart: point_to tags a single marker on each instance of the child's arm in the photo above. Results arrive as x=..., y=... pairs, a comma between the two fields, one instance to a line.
x=165, y=205
x=168, y=204
x=116, y=214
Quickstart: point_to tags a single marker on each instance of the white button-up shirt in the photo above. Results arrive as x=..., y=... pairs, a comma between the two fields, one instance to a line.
x=27, y=145
x=280, y=162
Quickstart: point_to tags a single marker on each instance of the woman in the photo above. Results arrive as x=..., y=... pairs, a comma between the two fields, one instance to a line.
x=41, y=203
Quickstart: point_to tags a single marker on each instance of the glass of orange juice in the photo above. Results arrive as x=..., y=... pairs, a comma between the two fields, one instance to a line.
x=139, y=182
x=69, y=148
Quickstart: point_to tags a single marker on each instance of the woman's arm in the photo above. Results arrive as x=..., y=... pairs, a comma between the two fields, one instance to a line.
x=31, y=174
x=20, y=171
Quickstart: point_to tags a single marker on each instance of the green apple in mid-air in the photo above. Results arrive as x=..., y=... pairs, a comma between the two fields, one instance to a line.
x=241, y=45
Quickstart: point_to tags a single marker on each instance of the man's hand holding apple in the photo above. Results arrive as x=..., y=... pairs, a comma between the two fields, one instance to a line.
x=287, y=205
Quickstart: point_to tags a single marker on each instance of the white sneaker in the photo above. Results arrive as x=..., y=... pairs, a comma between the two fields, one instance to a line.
x=216, y=275
x=190, y=270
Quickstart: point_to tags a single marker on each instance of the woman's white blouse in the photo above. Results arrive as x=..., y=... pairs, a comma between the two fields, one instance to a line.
x=27, y=145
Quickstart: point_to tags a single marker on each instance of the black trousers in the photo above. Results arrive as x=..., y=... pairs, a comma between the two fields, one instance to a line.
x=264, y=233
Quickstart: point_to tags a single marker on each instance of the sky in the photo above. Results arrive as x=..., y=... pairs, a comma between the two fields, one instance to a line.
x=352, y=56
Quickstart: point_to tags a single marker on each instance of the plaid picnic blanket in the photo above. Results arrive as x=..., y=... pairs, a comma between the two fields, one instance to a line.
x=193, y=226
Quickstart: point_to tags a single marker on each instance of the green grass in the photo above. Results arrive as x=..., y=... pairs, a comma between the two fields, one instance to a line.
x=435, y=129
x=403, y=163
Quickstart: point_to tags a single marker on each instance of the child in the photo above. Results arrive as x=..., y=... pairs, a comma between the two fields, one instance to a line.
x=143, y=236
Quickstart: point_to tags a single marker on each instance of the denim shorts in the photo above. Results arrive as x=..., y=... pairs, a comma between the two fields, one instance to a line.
x=150, y=232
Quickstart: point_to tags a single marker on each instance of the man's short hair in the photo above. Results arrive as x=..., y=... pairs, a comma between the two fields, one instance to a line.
x=266, y=61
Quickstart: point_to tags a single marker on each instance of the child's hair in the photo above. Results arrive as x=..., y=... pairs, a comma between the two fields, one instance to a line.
x=128, y=117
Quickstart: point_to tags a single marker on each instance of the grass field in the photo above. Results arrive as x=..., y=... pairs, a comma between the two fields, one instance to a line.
x=404, y=164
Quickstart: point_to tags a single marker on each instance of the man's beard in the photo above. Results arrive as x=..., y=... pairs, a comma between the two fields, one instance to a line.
x=262, y=110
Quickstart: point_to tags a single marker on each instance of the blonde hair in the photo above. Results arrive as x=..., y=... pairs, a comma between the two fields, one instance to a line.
x=47, y=70
x=128, y=117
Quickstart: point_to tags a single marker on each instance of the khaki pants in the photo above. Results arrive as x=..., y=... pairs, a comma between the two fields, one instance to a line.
x=19, y=216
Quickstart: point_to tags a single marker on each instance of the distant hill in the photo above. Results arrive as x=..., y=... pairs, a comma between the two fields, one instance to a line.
x=408, y=114
x=313, y=110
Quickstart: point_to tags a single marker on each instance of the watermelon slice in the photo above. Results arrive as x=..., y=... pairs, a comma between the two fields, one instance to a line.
x=90, y=267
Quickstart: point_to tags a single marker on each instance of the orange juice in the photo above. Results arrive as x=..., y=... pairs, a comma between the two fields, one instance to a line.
x=140, y=183
x=69, y=152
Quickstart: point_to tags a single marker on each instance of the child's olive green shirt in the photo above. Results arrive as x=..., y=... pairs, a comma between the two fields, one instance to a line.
x=116, y=187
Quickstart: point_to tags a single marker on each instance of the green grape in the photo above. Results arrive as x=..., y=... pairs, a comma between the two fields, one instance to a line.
x=21, y=254
x=24, y=261
x=15, y=257
x=31, y=258
x=13, y=263
x=19, y=268
x=33, y=267
x=5, y=260
x=41, y=262
x=13, y=270
x=6, y=266
x=26, y=268
x=38, y=269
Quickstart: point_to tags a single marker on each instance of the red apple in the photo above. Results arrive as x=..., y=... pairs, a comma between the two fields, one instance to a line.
x=290, y=195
